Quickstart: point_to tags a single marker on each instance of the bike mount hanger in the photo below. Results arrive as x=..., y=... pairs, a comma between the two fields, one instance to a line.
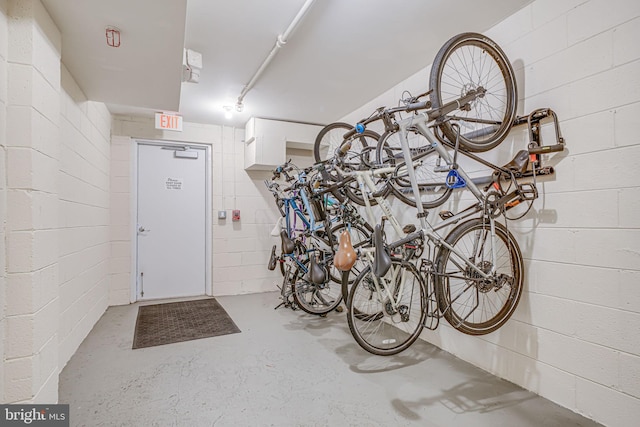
x=535, y=147
x=454, y=180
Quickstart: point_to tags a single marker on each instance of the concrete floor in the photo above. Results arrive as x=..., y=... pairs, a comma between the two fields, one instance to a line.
x=284, y=369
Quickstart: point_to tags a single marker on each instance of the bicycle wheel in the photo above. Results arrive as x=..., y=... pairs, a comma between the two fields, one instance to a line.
x=378, y=326
x=469, y=303
x=467, y=62
x=314, y=298
x=430, y=174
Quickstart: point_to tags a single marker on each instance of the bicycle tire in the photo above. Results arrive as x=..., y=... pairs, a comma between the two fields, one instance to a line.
x=329, y=139
x=430, y=180
x=458, y=292
x=313, y=298
x=373, y=324
x=466, y=62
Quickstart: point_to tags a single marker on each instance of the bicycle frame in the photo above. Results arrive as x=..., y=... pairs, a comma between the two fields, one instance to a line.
x=293, y=211
x=420, y=122
x=429, y=231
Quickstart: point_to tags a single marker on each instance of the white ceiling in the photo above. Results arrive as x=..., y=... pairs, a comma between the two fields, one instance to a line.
x=342, y=54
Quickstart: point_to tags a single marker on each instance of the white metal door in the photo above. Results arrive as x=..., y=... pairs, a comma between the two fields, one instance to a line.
x=171, y=223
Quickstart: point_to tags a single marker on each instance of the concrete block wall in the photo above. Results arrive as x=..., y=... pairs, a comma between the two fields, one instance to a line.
x=83, y=209
x=121, y=226
x=4, y=47
x=240, y=250
x=54, y=202
x=32, y=304
x=574, y=338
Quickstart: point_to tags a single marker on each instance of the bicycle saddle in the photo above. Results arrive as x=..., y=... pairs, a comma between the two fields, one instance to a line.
x=519, y=163
x=272, y=259
x=288, y=245
x=381, y=260
x=346, y=256
x=317, y=273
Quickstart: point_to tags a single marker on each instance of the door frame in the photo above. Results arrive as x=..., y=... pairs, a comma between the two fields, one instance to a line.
x=134, y=209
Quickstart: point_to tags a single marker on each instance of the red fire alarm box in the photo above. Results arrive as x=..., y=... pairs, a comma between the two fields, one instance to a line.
x=236, y=215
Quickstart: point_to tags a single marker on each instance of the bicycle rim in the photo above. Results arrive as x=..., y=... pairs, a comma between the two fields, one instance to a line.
x=467, y=62
x=316, y=298
x=378, y=326
x=470, y=304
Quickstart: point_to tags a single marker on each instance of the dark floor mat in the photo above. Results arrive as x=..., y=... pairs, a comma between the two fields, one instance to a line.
x=161, y=324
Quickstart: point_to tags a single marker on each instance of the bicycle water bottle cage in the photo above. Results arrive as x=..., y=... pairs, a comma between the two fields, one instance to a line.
x=381, y=260
x=360, y=128
x=317, y=273
x=454, y=180
x=287, y=244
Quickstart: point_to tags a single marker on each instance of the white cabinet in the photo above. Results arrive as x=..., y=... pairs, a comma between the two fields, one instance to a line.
x=266, y=141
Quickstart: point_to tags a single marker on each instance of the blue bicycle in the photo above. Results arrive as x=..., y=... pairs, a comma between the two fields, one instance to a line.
x=313, y=222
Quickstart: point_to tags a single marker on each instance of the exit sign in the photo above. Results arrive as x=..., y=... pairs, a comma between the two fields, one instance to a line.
x=168, y=122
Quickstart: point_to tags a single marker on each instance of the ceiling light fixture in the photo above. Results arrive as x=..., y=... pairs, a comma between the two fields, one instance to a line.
x=113, y=36
x=239, y=106
x=228, y=112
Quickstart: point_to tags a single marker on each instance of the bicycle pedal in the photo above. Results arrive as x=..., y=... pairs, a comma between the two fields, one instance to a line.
x=527, y=191
x=409, y=228
x=445, y=214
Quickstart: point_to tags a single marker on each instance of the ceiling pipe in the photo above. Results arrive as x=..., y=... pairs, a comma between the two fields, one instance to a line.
x=280, y=41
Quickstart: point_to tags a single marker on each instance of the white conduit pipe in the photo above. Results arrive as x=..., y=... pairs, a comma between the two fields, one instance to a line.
x=280, y=41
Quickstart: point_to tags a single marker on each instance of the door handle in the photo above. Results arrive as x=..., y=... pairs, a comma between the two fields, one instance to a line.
x=141, y=229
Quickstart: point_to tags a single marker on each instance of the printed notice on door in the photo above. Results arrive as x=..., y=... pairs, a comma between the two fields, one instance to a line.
x=173, y=183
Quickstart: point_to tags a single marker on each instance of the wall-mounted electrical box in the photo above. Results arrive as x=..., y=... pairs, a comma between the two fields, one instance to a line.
x=222, y=214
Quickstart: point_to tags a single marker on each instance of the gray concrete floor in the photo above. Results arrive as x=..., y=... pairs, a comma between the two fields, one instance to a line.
x=285, y=368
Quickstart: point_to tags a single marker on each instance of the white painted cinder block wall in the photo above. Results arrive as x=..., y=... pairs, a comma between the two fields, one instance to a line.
x=83, y=207
x=240, y=250
x=575, y=337
x=54, y=160
x=4, y=37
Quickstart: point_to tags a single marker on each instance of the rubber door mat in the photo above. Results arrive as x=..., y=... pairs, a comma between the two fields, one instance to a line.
x=168, y=323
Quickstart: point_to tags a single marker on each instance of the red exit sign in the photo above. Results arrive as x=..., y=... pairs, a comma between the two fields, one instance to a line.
x=168, y=122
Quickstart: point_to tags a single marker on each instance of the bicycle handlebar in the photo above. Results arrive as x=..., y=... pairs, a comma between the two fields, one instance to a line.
x=415, y=105
x=418, y=106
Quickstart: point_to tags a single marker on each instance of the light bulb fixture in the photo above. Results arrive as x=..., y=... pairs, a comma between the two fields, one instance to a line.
x=228, y=112
x=239, y=107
